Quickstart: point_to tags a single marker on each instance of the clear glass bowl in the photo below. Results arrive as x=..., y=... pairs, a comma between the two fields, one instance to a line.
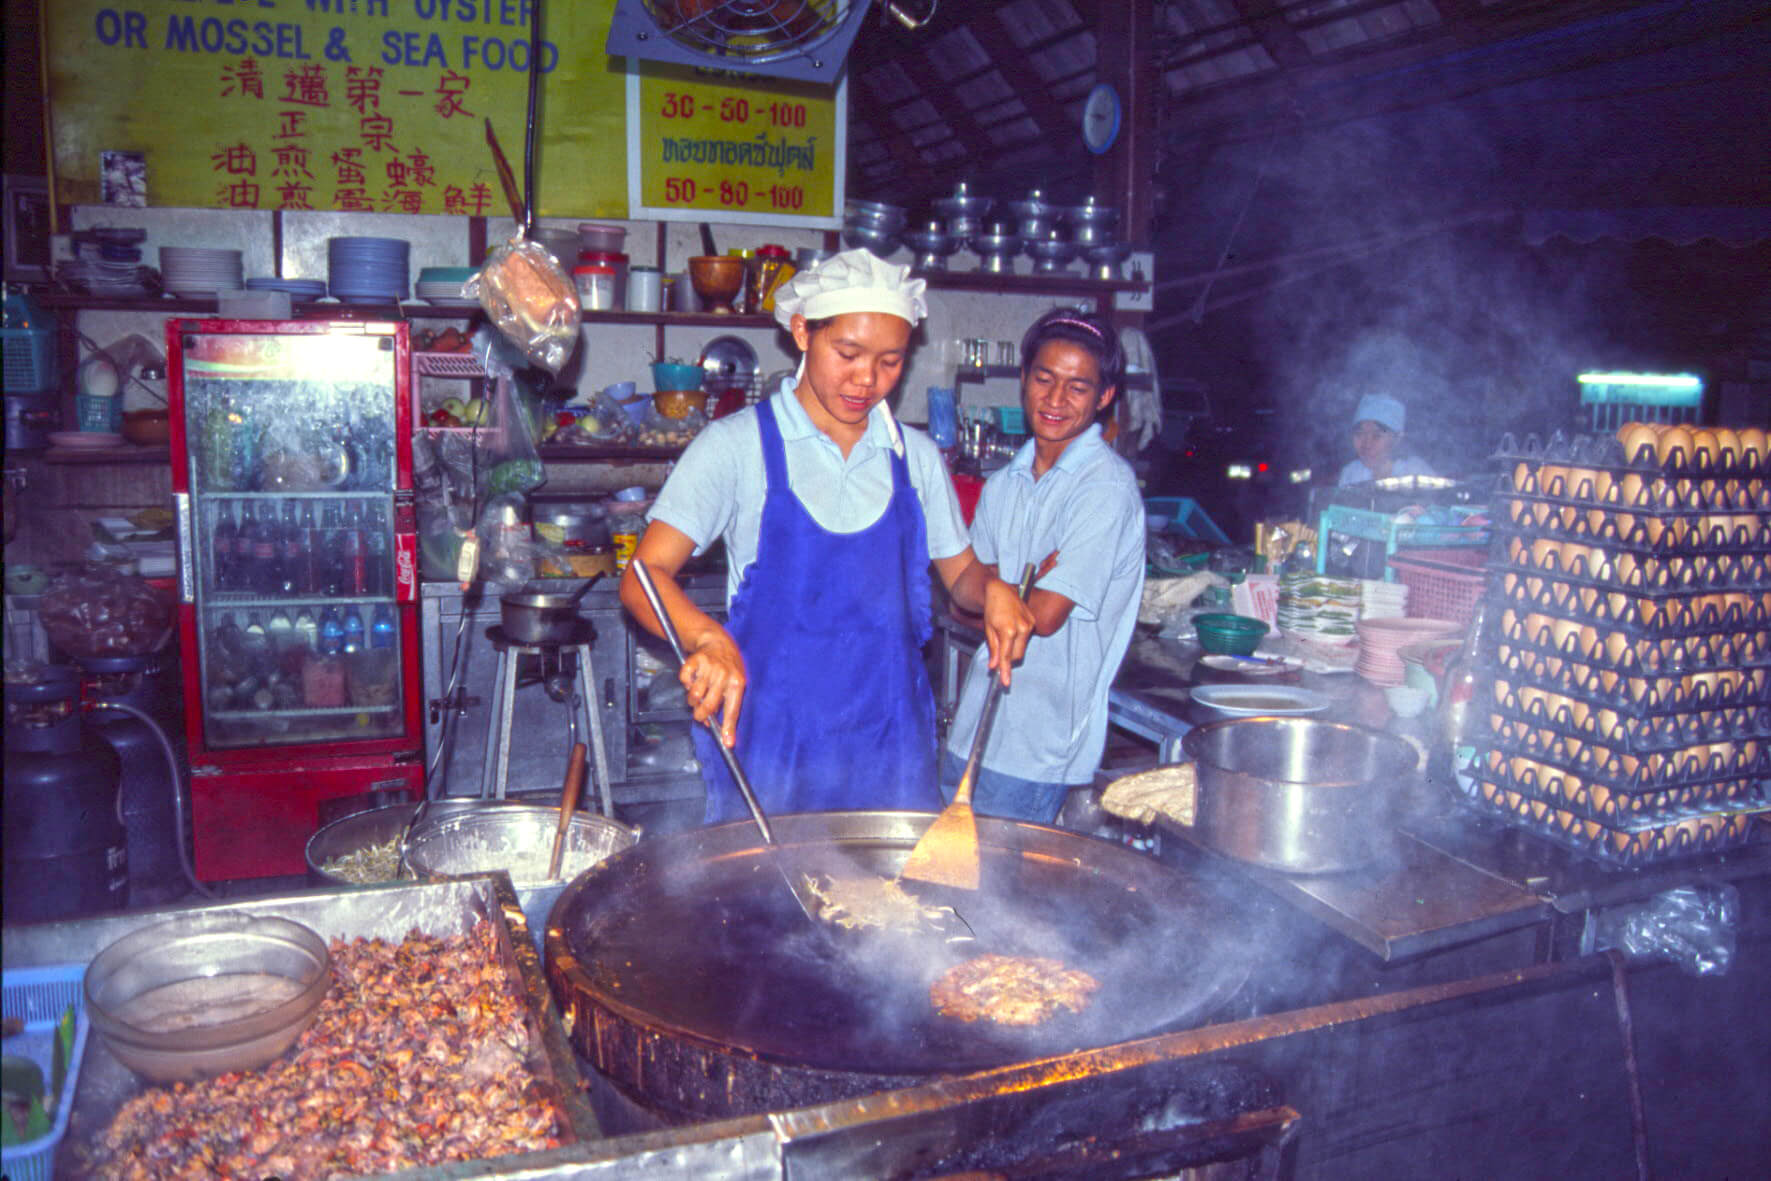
x=206, y=993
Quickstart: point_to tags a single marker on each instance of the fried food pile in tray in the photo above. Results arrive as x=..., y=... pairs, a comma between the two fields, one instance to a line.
x=416, y=1058
x=1011, y=989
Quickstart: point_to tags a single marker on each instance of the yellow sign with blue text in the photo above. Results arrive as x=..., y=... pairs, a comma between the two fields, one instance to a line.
x=357, y=105
x=706, y=147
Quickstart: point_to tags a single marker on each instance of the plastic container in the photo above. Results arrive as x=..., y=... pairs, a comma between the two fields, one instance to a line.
x=645, y=289
x=1224, y=634
x=596, y=287
x=599, y=237
x=29, y=359
x=1442, y=583
x=40, y=995
x=616, y=262
x=1010, y=420
x=207, y=993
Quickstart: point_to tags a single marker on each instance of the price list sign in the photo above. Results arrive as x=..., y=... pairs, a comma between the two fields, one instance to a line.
x=354, y=105
x=736, y=149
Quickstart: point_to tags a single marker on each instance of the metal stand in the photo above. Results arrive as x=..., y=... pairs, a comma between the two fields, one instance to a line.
x=495, y=771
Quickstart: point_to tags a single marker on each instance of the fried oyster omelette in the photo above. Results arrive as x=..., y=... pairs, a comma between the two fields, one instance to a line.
x=1011, y=989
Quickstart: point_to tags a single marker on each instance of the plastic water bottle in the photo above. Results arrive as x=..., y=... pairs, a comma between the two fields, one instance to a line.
x=353, y=630
x=306, y=630
x=331, y=633
x=382, y=632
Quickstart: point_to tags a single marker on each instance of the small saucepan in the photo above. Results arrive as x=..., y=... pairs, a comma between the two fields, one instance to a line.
x=542, y=617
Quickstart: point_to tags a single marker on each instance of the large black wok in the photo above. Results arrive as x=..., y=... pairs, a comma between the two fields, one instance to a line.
x=690, y=977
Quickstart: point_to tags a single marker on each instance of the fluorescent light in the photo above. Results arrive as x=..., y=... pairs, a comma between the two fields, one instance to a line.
x=1641, y=389
x=1240, y=471
x=1301, y=476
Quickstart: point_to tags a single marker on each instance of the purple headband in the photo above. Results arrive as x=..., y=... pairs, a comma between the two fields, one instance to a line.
x=1080, y=324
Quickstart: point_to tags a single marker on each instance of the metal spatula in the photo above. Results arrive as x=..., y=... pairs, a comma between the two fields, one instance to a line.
x=947, y=854
x=801, y=895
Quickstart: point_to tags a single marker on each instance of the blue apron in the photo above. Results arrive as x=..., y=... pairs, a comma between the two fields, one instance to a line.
x=838, y=714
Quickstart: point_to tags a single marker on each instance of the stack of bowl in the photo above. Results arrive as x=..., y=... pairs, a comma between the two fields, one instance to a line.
x=874, y=225
x=1381, y=642
x=963, y=213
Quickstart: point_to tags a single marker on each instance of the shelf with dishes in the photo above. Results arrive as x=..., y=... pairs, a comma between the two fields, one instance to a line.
x=410, y=310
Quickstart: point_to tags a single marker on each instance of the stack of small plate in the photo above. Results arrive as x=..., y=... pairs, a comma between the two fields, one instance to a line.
x=442, y=286
x=105, y=278
x=1381, y=642
x=299, y=289
x=369, y=270
x=1318, y=607
x=198, y=270
x=1382, y=600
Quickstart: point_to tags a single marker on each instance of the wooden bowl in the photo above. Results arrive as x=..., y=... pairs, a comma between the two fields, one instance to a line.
x=147, y=428
x=717, y=278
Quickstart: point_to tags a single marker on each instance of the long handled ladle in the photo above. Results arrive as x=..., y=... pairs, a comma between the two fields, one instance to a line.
x=800, y=893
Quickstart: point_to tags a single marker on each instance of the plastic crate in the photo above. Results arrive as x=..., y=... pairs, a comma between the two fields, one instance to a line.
x=1185, y=518
x=1442, y=583
x=1010, y=420
x=29, y=360
x=40, y=996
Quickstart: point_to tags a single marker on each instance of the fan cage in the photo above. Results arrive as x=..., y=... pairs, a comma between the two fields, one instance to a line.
x=748, y=31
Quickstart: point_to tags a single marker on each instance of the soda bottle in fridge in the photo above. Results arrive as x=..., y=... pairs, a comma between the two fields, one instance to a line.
x=378, y=574
x=222, y=547
x=351, y=567
x=292, y=553
x=331, y=633
x=382, y=632
x=262, y=573
x=353, y=630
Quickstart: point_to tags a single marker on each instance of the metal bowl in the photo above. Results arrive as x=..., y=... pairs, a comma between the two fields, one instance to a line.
x=1297, y=794
x=206, y=993
x=351, y=833
x=880, y=242
x=1104, y=258
x=996, y=252
x=962, y=203
x=1052, y=255
x=875, y=215
x=931, y=249
x=516, y=838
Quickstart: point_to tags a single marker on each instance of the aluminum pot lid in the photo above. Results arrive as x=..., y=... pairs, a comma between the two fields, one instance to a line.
x=728, y=361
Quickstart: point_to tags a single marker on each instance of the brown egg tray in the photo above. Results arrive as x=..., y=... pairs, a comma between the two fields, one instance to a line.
x=1586, y=789
x=1688, y=748
x=1629, y=843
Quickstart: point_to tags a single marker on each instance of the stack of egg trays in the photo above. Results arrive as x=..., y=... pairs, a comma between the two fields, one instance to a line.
x=1627, y=672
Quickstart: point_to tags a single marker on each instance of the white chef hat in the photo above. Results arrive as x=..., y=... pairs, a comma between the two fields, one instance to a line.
x=853, y=281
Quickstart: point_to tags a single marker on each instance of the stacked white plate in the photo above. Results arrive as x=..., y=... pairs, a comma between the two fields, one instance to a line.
x=1382, y=600
x=1318, y=607
x=442, y=286
x=304, y=289
x=198, y=270
x=369, y=270
x=1381, y=642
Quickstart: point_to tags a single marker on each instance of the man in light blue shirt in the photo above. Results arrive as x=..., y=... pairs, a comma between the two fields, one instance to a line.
x=1065, y=492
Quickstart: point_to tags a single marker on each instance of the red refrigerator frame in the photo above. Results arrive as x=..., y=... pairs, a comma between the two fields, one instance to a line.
x=253, y=809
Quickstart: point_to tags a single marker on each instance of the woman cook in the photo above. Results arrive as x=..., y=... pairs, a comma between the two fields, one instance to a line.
x=830, y=513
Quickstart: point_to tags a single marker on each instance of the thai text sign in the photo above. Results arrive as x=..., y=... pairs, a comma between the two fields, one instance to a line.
x=356, y=105
x=750, y=150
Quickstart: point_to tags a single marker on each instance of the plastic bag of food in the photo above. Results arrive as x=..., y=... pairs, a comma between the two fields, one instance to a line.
x=97, y=610
x=1695, y=927
x=530, y=300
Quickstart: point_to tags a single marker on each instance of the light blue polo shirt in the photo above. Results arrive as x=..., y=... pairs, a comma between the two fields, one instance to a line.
x=1052, y=724
x=718, y=486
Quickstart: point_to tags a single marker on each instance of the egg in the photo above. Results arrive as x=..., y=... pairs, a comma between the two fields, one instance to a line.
x=1545, y=554
x=1705, y=450
x=1752, y=444
x=1524, y=477
x=1633, y=490
x=1552, y=480
x=1675, y=445
x=1634, y=436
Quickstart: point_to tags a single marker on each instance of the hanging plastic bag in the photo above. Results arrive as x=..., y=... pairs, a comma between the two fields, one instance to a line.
x=531, y=300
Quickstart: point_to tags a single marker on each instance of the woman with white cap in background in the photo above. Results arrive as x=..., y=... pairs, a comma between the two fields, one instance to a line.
x=1377, y=437
x=831, y=514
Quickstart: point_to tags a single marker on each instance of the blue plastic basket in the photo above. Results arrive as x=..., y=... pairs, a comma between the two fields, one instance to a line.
x=1185, y=518
x=40, y=996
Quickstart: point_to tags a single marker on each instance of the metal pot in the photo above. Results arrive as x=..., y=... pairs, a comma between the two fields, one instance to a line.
x=1297, y=794
x=542, y=618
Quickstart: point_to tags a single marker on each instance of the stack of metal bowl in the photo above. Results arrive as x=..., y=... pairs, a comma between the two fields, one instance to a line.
x=963, y=213
x=996, y=247
x=874, y=225
x=933, y=244
x=1092, y=228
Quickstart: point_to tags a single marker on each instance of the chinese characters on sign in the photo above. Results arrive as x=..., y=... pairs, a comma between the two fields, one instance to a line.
x=354, y=105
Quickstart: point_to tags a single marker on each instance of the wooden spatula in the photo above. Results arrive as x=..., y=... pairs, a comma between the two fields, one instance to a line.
x=568, y=805
x=947, y=854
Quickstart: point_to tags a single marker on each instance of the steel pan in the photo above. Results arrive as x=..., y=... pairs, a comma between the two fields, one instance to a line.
x=690, y=977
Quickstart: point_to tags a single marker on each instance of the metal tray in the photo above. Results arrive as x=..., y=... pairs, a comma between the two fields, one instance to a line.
x=388, y=910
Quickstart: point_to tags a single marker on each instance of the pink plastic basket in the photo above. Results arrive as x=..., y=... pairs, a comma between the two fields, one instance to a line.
x=1442, y=583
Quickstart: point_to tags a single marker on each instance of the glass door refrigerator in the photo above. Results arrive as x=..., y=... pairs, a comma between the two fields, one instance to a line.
x=292, y=473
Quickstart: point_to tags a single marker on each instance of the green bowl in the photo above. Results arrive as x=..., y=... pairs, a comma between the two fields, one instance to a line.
x=671, y=375
x=1229, y=635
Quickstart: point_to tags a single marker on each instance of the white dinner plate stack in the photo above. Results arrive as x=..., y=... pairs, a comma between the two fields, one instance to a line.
x=369, y=270
x=298, y=289
x=442, y=286
x=1382, y=600
x=199, y=271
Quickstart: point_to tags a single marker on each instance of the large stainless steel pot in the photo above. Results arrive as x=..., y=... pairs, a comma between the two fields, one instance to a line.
x=544, y=618
x=1297, y=794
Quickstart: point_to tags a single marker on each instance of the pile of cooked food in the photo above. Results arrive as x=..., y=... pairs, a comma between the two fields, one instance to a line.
x=379, y=862
x=1011, y=989
x=852, y=902
x=416, y=1058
